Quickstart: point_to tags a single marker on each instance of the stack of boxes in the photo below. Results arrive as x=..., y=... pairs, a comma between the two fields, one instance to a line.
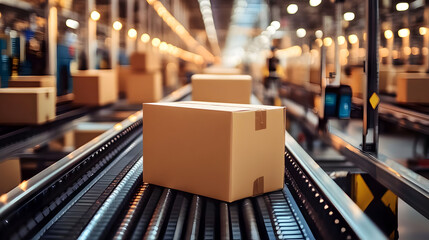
x=143, y=83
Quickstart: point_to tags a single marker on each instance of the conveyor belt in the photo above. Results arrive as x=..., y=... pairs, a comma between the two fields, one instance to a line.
x=97, y=192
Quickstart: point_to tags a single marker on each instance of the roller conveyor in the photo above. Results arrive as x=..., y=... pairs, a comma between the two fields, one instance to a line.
x=97, y=192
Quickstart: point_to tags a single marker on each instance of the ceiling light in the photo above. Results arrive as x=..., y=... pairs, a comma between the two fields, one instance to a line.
x=156, y=42
x=95, y=15
x=315, y=3
x=327, y=41
x=275, y=24
x=341, y=40
x=388, y=34
x=404, y=32
x=353, y=38
x=300, y=32
x=72, y=23
x=402, y=6
x=292, y=8
x=423, y=31
x=319, y=34
x=349, y=16
x=117, y=25
x=145, y=38
x=132, y=33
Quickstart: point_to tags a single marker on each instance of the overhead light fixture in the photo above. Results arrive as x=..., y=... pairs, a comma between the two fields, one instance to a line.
x=275, y=25
x=422, y=31
x=388, y=34
x=315, y=3
x=349, y=16
x=318, y=34
x=327, y=41
x=292, y=8
x=402, y=6
x=353, y=38
x=145, y=38
x=132, y=33
x=341, y=40
x=95, y=15
x=117, y=25
x=404, y=32
x=156, y=42
x=300, y=32
x=72, y=23
x=207, y=14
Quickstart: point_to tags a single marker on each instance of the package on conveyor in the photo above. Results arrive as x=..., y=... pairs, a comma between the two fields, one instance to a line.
x=222, y=70
x=95, y=87
x=222, y=88
x=33, y=81
x=144, y=87
x=10, y=174
x=218, y=150
x=27, y=105
x=412, y=88
x=145, y=61
x=122, y=75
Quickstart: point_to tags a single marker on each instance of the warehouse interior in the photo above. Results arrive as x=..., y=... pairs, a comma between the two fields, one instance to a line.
x=214, y=119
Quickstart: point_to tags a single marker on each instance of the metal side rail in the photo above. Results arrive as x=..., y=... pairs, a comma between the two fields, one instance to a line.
x=25, y=210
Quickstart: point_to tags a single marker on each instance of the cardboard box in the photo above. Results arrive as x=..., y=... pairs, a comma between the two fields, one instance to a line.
x=223, y=151
x=222, y=70
x=27, y=105
x=85, y=132
x=10, y=175
x=138, y=61
x=222, y=88
x=412, y=88
x=95, y=87
x=33, y=81
x=144, y=87
x=122, y=74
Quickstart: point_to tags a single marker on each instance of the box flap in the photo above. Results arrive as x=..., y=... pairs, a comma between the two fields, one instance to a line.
x=226, y=107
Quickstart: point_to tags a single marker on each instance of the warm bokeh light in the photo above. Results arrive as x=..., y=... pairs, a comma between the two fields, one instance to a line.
x=402, y=6
x=132, y=33
x=319, y=42
x=407, y=51
x=156, y=42
x=395, y=54
x=292, y=8
x=117, y=25
x=353, y=38
x=95, y=15
x=163, y=46
x=415, y=51
x=388, y=34
x=145, y=38
x=327, y=41
x=349, y=16
x=344, y=53
x=404, y=32
x=300, y=32
x=425, y=51
x=275, y=24
x=318, y=34
x=315, y=3
x=72, y=23
x=341, y=40
x=384, y=52
x=423, y=30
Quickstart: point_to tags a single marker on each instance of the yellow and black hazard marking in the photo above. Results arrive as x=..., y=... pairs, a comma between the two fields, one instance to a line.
x=378, y=202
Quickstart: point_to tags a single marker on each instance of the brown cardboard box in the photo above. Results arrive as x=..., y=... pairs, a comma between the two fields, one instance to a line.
x=222, y=70
x=222, y=88
x=85, y=132
x=138, y=61
x=33, y=81
x=95, y=87
x=27, y=105
x=10, y=175
x=144, y=87
x=123, y=72
x=412, y=88
x=223, y=151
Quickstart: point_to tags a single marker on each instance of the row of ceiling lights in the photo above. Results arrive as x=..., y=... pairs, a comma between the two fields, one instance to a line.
x=206, y=12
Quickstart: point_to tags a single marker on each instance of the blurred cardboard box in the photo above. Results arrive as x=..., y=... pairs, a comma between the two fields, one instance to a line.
x=412, y=88
x=33, y=81
x=138, y=61
x=95, y=87
x=143, y=87
x=222, y=88
x=10, y=175
x=85, y=132
x=27, y=105
x=122, y=75
x=222, y=70
x=223, y=151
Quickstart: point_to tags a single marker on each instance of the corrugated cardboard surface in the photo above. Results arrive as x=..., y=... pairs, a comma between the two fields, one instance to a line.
x=214, y=149
x=33, y=81
x=412, y=88
x=95, y=87
x=144, y=87
x=222, y=88
x=27, y=105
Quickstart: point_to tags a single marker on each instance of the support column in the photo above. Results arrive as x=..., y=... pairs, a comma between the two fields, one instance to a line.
x=52, y=31
x=91, y=46
x=114, y=10
x=130, y=43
